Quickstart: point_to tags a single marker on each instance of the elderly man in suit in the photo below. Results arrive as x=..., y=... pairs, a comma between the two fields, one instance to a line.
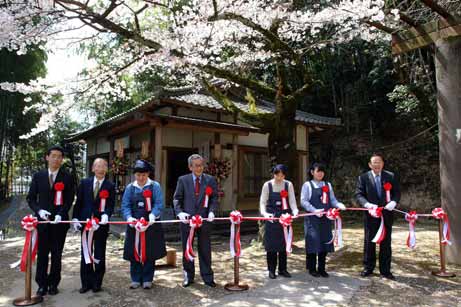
x=188, y=201
x=370, y=194
x=50, y=196
x=95, y=198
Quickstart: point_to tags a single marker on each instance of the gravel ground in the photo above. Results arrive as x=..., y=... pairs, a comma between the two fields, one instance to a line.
x=414, y=286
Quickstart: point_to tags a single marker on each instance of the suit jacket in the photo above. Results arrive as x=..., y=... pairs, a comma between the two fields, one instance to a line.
x=41, y=195
x=184, y=199
x=86, y=206
x=366, y=189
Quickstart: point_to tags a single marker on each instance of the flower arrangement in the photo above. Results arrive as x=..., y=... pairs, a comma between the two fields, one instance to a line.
x=220, y=169
x=119, y=166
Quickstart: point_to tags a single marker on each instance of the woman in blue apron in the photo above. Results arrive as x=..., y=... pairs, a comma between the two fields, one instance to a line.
x=270, y=205
x=143, y=199
x=318, y=228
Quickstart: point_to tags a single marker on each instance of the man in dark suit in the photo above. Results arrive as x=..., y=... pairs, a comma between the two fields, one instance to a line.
x=50, y=196
x=90, y=204
x=188, y=201
x=371, y=195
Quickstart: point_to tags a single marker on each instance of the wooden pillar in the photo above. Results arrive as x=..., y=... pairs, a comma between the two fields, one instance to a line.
x=158, y=152
x=448, y=72
x=111, y=156
x=235, y=172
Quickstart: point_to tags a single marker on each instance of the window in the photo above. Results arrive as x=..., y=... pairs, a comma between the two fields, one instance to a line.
x=256, y=171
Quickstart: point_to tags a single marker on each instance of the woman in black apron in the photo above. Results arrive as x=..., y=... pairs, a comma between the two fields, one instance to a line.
x=143, y=199
x=318, y=228
x=271, y=206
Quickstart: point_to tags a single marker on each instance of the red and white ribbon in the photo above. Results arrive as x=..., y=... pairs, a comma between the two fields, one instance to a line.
x=208, y=192
x=87, y=240
x=333, y=214
x=140, y=240
x=194, y=223
x=439, y=214
x=284, y=196
x=325, y=190
x=387, y=188
x=235, y=247
x=147, y=194
x=103, y=195
x=58, y=187
x=411, y=218
x=381, y=233
x=29, y=224
x=286, y=219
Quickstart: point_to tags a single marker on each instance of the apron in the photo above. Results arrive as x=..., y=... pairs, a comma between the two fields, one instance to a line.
x=155, y=241
x=274, y=239
x=318, y=231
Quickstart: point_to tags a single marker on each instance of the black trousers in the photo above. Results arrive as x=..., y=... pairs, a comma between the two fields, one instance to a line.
x=385, y=251
x=272, y=261
x=311, y=261
x=204, y=252
x=91, y=276
x=51, y=239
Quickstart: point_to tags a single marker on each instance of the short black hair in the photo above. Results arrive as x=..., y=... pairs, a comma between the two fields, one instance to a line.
x=316, y=165
x=377, y=154
x=280, y=168
x=55, y=147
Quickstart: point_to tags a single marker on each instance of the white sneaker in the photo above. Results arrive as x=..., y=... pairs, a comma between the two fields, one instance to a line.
x=135, y=285
x=147, y=285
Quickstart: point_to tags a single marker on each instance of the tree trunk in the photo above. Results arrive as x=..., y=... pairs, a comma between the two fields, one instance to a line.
x=448, y=72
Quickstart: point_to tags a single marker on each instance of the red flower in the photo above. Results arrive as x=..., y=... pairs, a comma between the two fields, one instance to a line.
x=325, y=189
x=387, y=186
x=208, y=191
x=59, y=186
x=103, y=194
x=284, y=193
x=147, y=193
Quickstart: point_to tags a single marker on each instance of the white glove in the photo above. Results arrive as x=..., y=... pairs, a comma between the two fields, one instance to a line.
x=183, y=216
x=151, y=218
x=341, y=206
x=210, y=216
x=390, y=205
x=104, y=219
x=319, y=212
x=57, y=219
x=268, y=216
x=141, y=228
x=76, y=225
x=131, y=219
x=43, y=214
x=370, y=206
x=295, y=212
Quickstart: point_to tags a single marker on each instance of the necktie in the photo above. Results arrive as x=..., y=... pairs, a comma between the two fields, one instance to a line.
x=197, y=186
x=96, y=189
x=378, y=185
x=50, y=178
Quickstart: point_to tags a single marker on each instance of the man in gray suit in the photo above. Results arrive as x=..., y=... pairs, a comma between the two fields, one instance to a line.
x=189, y=200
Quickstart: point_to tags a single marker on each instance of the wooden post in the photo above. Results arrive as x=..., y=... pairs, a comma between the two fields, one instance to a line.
x=442, y=272
x=235, y=286
x=28, y=299
x=448, y=73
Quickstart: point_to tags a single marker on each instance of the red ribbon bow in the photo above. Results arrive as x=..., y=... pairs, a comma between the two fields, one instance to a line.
x=387, y=188
x=91, y=226
x=208, y=192
x=284, y=195
x=103, y=195
x=334, y=215
x=147, y=194
x=194, y=223
x=325, y=190
x=58, y=187
x=411, y=218
x=235, y=246
x=140, y=241
x=381, y=233
x=439, y=214
x=29, y=224
x=286, y=219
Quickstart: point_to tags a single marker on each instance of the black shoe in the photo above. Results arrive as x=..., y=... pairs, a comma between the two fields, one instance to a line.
x=272, y=275
x=187, y=283
x=314, y=273
x=323, y=274
x=53, y=290
x=210, y=284
x=388, y=276
x=97, y=289
x=285, y=274
x=41, y=291
x=366, y=273
x=84, y=290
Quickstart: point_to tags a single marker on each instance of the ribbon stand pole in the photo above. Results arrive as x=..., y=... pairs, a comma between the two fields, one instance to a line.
x=28, y=299
x=442, y=272
x=235, y=286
